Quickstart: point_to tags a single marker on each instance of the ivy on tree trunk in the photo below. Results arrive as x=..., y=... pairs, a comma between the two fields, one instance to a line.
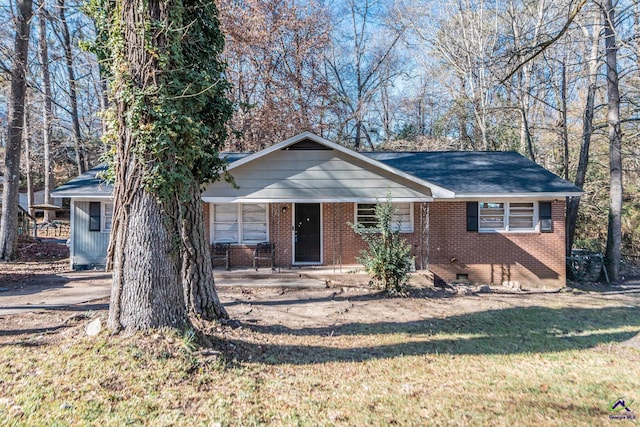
x=168, y=119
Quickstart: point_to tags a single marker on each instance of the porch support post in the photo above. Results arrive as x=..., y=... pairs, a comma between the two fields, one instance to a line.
x=424, y=236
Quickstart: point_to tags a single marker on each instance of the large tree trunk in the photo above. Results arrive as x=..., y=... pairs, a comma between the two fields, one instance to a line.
x=147, y=290
x=166, y=147
x=573, y=204
x=73, y=97
x=526, y=141
x=47, y=111
x=9, y=219
x=614, y=235
x=197, y=271
x=564, y=132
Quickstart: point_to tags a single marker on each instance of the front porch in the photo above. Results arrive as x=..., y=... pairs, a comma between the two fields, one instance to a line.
x=309, y=234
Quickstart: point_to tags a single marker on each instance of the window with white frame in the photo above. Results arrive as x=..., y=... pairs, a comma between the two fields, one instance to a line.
x=522, y=216
x=507, y=216
x=239, y=223
x=107, y=216
x=100, y=216
x=402, y=216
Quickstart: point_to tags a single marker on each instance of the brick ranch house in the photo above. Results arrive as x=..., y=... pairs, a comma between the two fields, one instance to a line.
x=485, y=217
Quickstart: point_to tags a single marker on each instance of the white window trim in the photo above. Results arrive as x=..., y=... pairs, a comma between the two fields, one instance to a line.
x=505, y=219
x=103, y=217
x=239, y=222
x=402, y=231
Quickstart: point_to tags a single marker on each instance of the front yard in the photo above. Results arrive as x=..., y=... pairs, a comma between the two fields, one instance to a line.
x=344, y=356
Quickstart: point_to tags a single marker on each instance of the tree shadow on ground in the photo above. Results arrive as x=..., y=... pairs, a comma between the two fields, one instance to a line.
x=16, y=284
x=28, y=283
x=623, y=288
x=30, y=331
x=508, y=331
x=81, y=313
x=337, y=296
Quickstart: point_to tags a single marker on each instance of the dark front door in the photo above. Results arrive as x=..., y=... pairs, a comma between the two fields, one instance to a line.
x=307, y=233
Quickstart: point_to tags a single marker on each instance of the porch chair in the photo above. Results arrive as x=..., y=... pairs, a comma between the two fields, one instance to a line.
x=264, y=251
x=220, y=252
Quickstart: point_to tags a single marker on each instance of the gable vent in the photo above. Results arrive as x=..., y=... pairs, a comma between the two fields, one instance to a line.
x=307, y=144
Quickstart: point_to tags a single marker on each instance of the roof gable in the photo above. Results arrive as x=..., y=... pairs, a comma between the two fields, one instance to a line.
x=309, y=137
x=307, y=144
x=313, y=175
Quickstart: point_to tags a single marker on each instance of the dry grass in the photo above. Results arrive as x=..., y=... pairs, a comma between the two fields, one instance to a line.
x=558, y=362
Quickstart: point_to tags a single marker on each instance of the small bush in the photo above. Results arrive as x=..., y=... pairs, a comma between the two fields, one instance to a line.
x=388, y=256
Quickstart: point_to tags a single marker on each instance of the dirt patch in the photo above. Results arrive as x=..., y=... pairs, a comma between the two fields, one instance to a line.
x=326, y=310
x=30, y=250
x=20, y=275
x=318, y=312
x=36, y=259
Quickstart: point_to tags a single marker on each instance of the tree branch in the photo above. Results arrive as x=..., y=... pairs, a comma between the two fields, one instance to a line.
x=541, y=47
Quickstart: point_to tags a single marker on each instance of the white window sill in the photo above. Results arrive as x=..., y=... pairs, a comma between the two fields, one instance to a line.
x=509, y=231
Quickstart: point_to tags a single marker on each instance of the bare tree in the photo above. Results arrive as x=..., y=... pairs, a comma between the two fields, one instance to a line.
x=614, y=235
x=65, y=39
x=47, y=110
x=274, y=51
x=359, y=66
x=9, y=219
x=26, y=141
x=466, y=40
x=593, y=65
x=526, y=22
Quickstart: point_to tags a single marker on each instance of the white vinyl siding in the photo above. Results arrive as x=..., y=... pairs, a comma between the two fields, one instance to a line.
x=239, y=223
x=88, y=248
x=312, y=176
x=507, y=216
x=403, y=215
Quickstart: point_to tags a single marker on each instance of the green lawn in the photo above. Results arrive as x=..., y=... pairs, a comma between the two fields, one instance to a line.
x=559, y=364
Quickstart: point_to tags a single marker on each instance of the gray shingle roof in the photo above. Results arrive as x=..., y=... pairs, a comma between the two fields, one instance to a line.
x=463, y=172
x=486, y=172
x=85, y=185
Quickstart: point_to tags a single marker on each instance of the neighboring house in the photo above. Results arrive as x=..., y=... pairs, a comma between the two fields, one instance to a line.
x=485, y=217
x=38, y=199
x=23, y=198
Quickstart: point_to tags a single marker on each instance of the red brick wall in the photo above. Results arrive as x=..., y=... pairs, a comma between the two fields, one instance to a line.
x=533, y=259
x=341, y=242
x=280, y=232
